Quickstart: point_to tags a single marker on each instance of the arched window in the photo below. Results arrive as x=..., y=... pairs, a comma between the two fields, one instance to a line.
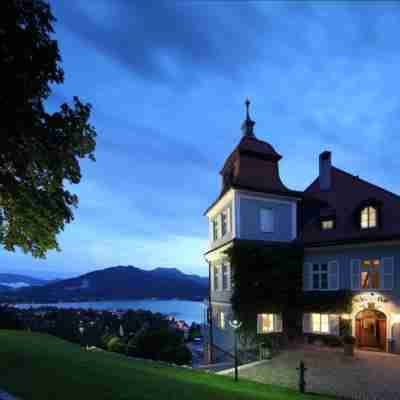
x=369, y=217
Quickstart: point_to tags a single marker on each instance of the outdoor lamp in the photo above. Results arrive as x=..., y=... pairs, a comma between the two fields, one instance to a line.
x=235, y=325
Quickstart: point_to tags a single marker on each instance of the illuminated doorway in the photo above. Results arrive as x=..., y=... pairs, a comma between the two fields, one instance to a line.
x=371, y=330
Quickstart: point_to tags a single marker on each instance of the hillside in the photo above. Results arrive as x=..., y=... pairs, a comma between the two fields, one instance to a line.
x=51, y=368
x=118, y=283
x=14, y=281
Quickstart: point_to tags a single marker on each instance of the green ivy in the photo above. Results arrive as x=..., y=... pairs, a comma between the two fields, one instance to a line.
x=269, y=279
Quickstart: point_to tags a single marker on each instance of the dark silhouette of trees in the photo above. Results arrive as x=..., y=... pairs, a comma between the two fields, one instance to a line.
x=39, y=151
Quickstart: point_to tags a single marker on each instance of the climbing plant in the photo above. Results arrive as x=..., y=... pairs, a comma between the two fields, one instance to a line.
x=270, y=280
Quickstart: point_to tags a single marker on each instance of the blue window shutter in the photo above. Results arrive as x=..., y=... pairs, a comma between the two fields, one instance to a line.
x=387, y=275
x=307, y=276
x=333, y=271
x=334, y=325
x=307, y=323
x=355, y=267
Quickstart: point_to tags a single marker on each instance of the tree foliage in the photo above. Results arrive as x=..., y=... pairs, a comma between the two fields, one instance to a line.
x=40, y=152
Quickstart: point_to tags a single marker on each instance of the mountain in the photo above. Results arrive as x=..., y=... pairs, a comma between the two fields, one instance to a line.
x=117, y=283
x=16, y=281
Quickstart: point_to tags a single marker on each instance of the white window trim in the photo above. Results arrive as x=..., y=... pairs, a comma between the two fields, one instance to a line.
x=311, y=278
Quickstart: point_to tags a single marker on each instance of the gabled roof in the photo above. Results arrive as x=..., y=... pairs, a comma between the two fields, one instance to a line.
x=344, y=200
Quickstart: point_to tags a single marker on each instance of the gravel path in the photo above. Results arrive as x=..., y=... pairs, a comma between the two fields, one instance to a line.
x=367, y=376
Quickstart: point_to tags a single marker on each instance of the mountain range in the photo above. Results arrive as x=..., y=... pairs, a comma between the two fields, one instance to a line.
x=115, y=283
x=15, y=281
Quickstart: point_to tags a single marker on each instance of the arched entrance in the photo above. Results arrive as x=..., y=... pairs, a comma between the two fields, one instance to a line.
x=371, y=329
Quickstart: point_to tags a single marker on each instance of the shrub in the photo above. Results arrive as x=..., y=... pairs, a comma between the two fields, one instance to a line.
x=327, y=340
x=348, y=339
x=115, y=345
x=180, y=355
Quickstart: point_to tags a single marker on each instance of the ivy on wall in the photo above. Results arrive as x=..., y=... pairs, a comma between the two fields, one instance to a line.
x=269, y=279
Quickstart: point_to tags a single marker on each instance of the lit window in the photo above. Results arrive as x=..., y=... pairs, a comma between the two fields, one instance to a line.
x=222, y=320
x=327, y=224
x=369, y=217
x=370, y=274
x=267, y=323
x=320, y=323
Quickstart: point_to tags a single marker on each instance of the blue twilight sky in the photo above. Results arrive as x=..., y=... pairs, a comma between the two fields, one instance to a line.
x=167, y=82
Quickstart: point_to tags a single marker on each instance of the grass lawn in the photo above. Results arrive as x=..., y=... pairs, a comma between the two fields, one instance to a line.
x=39, y=367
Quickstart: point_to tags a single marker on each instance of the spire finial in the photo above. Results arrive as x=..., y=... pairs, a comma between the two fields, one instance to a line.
x=247, y=102
x=248, y=124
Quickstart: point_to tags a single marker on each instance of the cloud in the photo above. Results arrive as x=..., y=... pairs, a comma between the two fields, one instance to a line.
x=166, y=40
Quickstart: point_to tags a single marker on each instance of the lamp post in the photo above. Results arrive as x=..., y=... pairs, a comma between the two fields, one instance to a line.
x=235, y=325
x=81, y=331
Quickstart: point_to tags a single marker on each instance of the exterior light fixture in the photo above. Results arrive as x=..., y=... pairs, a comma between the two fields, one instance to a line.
x=235, y=325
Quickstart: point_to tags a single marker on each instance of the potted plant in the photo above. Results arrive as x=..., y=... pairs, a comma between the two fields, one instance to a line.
x=348, y=343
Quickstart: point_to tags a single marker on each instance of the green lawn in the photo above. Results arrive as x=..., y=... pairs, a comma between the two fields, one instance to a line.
x=39, y=367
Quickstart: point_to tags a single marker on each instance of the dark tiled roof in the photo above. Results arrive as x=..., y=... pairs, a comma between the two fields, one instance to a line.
x=347, y=195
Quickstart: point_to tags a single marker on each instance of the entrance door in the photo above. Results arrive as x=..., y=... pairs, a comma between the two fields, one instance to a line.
x=371, y=329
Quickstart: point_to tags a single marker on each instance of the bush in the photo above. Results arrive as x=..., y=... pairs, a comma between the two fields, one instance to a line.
x=180, y=355
x=160, y=344
x=115, y=345
x=327, y=340
x=348, y=339
x=9, y=318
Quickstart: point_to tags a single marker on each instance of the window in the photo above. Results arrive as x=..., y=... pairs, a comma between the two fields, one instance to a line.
x=216, y=277
x=320, y=276
x=225, y=276
x=221, y=320
x=370, y=274
x=369, y=217
x=215, y=228
x=267, y=220
x=327, y=224
x=320, y=323
x=267, y=323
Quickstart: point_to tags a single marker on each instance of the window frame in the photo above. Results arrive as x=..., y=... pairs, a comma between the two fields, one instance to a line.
x=368, y=210
x=319, y=273
x=370, y=271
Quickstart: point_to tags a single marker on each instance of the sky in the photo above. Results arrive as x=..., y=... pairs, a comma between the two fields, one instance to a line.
x=168, y=80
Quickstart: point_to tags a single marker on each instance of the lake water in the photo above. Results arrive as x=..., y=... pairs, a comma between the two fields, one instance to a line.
x=189, y=311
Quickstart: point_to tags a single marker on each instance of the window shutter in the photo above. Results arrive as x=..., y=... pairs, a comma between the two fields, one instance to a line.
x=334, y=324
x=333, y=270
x=277, y=323
x=307, y=323
x=355, y=274
x=228, y=277
x=228, y=220
x=212, y=277
x=210, y=230
x=259, y=322
x=267, y=220
x=307, y=276
x=387, y=275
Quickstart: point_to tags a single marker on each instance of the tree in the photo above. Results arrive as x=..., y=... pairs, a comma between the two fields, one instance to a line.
x=39, y=151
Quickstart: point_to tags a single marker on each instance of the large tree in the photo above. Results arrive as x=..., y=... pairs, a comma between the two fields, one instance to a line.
x=39, y=151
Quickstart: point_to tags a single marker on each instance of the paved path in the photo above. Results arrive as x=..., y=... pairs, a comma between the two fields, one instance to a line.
x=6, y=396
x=367, y=376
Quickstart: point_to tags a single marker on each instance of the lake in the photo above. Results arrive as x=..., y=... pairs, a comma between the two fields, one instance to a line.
x=189, y=311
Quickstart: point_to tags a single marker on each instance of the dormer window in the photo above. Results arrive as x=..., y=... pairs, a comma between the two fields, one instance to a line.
x=369, y=217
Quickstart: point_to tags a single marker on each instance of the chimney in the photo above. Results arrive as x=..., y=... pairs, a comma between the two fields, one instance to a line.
x=325, y=168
